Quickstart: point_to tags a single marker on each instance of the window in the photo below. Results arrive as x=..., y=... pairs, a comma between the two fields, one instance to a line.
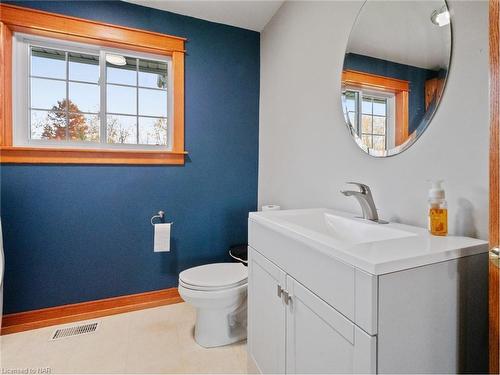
x=371, y=116
x=63, y=106
x=79, y=91
x=377, y=109
x=82, y=96
x=374, y=122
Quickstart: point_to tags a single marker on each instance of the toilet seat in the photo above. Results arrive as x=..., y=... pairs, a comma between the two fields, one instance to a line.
x=208, y=288
x=214, y=277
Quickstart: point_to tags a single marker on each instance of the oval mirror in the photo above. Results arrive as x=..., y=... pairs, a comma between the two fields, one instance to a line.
x=394, y=72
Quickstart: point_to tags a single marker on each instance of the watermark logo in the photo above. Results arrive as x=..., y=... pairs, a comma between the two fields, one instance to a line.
x=27, y=370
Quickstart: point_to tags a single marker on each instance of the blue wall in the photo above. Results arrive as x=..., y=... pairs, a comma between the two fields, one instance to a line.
x=416, y=76
x=78, y=233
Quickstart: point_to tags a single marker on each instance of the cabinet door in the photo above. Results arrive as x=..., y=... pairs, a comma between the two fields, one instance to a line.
x=267, y=313
x=321, y=340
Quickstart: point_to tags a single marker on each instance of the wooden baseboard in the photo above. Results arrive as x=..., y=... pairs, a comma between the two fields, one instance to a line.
x=27, y=320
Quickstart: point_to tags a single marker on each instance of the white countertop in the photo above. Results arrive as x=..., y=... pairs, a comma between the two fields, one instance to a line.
x=415, y=246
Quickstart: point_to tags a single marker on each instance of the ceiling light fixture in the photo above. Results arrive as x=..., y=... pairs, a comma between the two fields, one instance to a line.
x=441, y=17
x=116, y=59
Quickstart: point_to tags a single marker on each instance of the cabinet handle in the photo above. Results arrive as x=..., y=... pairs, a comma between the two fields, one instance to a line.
x=280, y=291
x=286, y=297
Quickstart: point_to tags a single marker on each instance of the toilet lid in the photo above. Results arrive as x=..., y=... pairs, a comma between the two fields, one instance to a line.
x=216, y=275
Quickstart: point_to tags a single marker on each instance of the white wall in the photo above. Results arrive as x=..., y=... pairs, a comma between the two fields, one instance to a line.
x=306, y=153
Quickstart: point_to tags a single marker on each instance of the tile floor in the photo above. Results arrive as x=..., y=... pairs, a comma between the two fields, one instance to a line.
x=157, y=340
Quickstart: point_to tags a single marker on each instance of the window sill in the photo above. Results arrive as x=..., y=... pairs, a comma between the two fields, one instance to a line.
x=39, y=155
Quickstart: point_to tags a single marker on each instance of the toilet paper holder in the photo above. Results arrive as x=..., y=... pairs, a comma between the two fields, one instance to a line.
x=160, y=215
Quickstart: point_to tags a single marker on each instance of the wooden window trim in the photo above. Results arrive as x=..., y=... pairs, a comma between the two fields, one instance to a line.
x=35, y=22
x=400, y=88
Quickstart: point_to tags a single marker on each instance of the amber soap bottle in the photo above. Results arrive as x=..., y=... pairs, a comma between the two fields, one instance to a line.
x=438, y=210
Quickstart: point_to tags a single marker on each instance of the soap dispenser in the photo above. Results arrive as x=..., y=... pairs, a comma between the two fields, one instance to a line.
x=438, y=210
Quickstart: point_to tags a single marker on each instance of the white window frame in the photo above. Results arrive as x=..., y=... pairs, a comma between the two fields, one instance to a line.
x=390, y=115
x=21, y=89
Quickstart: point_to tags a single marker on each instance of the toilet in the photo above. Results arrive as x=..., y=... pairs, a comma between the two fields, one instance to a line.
x=218, y=291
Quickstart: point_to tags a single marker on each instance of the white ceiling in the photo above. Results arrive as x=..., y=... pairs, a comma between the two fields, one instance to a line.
x=253, y=15
x=401, y=31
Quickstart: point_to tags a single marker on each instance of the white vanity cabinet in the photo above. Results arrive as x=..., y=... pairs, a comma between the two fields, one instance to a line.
x=411, y=304
x=267, y=314
x=292, y=330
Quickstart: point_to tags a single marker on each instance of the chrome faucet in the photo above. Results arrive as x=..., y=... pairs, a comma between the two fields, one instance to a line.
x=365, y=199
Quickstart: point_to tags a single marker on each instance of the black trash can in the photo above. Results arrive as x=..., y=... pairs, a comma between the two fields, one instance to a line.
x=239, y=253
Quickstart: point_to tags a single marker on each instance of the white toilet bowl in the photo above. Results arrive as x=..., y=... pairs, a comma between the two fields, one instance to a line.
x=219, y=293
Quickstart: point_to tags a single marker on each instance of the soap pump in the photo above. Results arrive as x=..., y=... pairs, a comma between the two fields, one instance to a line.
x=438, y=210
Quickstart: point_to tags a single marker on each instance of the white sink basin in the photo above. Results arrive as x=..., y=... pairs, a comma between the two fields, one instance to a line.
x=373, y=247
x=348, y=231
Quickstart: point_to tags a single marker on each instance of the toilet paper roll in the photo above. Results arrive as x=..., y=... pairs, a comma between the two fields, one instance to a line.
x=271, y=207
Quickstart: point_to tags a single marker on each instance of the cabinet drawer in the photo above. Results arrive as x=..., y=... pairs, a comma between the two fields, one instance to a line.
x=350, y=291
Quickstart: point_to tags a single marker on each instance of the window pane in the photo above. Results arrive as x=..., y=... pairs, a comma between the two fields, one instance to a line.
x=46, y=62
x=83, y=67
x=379, y=125
x=121, y=74
x=152, y=103
x=367, y=140
x=153, y=74
x=379, y=107
x=378, y=142
x=48, y=125
x=48, y=94
x=350, y=104
x=153, y=131
x=352, y=119
x=121, y=129
x=366, y=124
x=83, y=127
x=121, y=99
x=83, y=97
x=37, y=124
x=367, y=106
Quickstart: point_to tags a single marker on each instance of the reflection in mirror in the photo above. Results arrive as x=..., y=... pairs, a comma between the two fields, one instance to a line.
x=394, y=73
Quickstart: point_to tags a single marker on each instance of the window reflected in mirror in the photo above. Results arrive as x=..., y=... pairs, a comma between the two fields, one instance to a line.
x=370, y=113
